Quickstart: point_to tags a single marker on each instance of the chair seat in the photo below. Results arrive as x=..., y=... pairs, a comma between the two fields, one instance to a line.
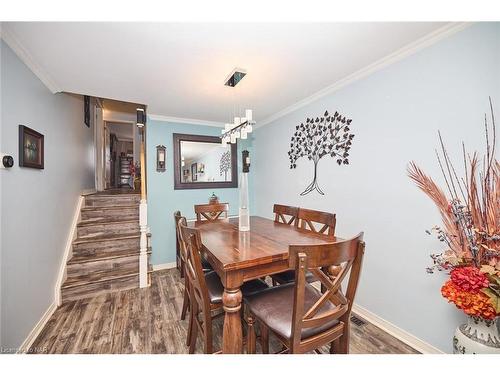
x=215, y=287
x=274, y=307
x=289, y=277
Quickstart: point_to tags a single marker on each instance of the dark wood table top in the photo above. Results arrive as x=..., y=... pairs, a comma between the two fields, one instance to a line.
x=266, y=242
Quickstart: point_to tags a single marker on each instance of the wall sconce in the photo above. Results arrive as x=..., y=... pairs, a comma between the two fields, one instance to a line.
x=141, y=117
x=161, y=158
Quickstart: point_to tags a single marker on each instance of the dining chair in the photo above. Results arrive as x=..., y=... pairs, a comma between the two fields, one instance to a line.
x=303, y=318
x=179, y=254
x=182, y=252
x=309, y=220
x=211, y=212
x=206, y=290
x=285, y=214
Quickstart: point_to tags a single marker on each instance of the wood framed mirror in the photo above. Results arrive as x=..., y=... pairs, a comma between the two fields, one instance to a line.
x=202, y=162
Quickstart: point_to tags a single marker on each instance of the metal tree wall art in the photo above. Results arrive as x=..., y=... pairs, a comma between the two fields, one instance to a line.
x=225, y=164
x=326, y=135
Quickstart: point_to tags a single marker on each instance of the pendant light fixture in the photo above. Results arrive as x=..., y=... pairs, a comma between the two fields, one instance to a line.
x=241, y=126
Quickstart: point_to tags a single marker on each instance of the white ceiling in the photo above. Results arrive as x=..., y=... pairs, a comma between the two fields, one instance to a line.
x=178, y=69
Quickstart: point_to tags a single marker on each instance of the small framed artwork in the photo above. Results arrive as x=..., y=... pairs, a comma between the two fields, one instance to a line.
x=194, y=172
x=86, y=110
x=30, y=148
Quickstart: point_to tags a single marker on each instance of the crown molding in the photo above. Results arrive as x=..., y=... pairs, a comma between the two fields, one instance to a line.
x=13, y=42
x=392, y=58
x=183, y=120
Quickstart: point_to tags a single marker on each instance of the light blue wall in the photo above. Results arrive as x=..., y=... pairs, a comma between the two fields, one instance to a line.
x=37, y=206
x=163, y=200
x=396, y=114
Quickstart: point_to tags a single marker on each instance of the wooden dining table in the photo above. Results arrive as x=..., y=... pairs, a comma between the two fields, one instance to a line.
x=242, y=256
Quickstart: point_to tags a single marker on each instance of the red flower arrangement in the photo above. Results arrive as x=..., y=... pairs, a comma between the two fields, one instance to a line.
x=471, y=228
x=464, y=290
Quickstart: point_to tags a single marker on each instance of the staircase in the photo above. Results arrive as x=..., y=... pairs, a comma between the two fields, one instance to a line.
x=106, y=249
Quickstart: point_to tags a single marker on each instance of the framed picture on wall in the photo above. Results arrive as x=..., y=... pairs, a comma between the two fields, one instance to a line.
x=31, y=150
x=194, y=171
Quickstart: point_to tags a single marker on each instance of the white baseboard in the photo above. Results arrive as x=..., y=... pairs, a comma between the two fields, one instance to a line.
x=37, y=329
x=164, y=266
x=409, y=339
x=68, y=250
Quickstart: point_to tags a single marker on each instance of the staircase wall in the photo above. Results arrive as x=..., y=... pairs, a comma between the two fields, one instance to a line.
x=37, y=205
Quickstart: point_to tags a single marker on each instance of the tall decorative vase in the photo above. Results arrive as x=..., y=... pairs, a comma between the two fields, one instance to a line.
x=244, y=217
x=477, y=336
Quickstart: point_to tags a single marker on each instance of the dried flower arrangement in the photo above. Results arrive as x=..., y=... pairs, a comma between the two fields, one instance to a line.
x=471, y=227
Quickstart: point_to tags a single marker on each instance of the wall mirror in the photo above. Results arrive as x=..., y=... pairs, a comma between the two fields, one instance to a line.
x=202, y=162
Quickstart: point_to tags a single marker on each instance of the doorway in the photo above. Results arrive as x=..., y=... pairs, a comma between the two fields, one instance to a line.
x=118, y=145
x=120, y=160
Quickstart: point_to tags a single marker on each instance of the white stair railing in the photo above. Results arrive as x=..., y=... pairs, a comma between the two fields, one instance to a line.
x=143, y=220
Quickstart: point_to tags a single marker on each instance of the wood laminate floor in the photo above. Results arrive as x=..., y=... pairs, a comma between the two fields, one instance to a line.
x=147, y=321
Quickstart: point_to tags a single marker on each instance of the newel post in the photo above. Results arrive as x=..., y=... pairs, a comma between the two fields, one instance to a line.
x=143, y=208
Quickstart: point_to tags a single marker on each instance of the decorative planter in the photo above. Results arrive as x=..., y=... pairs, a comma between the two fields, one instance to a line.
x=214, y=199
x=477, y=336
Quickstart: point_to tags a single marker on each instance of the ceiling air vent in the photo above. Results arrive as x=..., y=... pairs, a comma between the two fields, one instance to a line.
x=235, y=77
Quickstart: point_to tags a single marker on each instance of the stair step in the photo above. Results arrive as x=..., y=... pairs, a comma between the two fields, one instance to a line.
x=106, y=251
x=106, y=237
x=76, y=288
x=97, y=277
x=111, y=212
x=105, y=226
x=103, y=221
x=83, y=265
x=103, y=200
x=86, y=258
x=92, y=245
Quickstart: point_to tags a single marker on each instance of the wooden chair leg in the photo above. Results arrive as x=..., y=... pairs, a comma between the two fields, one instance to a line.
x=343, y=341
x=343, y=347
x=250, y=335
x=334, y=347
x=190, y=328
x=182, y=269
x=193, y=328
x=264, y=339
x=185, y=303
x=207, y=337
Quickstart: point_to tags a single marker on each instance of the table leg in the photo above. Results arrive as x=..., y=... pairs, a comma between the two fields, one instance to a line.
x=232, y=336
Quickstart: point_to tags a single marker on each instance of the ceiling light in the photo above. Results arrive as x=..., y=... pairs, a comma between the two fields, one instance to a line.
x=235, y=77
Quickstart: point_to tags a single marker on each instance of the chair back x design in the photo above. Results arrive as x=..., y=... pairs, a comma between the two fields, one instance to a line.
x=285, y=214
x=193, y=267
x=330, y=264
x=178, y=244
x=307, y=219
x=211, y=212
x=198, y=293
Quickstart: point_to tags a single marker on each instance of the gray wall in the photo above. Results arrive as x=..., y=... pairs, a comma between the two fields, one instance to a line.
x=37, y=205
x=396, y=114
